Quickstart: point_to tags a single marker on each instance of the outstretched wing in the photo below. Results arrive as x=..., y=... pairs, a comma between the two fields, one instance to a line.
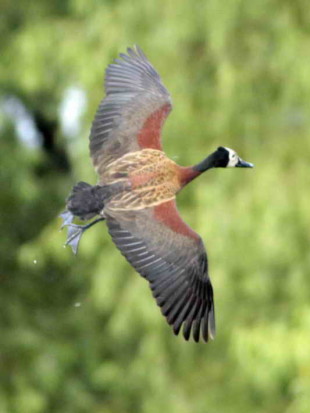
x=172, y=257
x=131, y=116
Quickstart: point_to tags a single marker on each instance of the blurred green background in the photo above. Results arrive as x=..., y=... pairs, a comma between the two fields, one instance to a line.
x=83, y=334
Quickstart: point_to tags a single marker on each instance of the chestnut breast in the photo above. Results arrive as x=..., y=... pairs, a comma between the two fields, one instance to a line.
x=151, y=179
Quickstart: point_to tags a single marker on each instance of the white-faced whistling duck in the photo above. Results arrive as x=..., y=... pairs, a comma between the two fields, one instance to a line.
x=136, y=190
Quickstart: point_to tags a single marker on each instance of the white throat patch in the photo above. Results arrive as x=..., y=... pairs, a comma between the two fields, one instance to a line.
x=233, y=158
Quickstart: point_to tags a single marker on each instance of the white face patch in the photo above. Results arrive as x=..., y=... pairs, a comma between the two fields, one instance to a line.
x=233, y=158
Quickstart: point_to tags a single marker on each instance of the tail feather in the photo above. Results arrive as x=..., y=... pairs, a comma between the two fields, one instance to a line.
x=85, y=201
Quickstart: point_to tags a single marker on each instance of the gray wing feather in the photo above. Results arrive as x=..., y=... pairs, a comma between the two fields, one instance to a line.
x=134, y=91
x=174, y=265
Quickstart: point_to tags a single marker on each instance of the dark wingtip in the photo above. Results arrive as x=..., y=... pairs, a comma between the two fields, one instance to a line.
x=176, y=329
x=139, y=51
x=210, y=325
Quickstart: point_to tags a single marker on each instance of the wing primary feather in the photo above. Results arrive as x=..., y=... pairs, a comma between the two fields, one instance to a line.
x=145, y=260
x=175, y=311
x=154, y=272
x=135, y=251
x=190, y=318
x=147, y=265
x=184, y=311
x=211, y=321
x=169, y=305
x=197, y=323
x=165, y=281
x=176, y=325
x=205, y=325
x=167, y=295
x=167, y=288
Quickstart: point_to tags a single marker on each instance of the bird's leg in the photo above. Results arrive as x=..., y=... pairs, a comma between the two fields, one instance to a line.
x=75, y=232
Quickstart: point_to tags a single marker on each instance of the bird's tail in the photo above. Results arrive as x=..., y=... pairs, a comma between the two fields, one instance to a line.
x=86, y=201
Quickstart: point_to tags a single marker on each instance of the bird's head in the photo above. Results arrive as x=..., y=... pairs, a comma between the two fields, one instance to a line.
x=228, y=158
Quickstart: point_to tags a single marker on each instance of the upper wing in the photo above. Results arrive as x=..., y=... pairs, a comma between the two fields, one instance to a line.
x=131, y=116
x=172, y=257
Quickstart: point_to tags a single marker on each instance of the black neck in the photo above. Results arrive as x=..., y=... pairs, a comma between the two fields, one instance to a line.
x=206, y=164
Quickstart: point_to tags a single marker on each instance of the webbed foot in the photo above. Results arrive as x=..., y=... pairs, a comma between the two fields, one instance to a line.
x=67, y=218
x=75, y=232
x=74, y=236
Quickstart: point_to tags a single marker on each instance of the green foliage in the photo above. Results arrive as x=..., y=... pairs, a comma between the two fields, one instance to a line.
x=83, y=334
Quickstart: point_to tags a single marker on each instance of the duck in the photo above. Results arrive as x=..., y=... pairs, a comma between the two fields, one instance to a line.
x=136, y=195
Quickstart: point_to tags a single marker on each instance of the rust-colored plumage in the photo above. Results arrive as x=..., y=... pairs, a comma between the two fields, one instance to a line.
x=136, y=193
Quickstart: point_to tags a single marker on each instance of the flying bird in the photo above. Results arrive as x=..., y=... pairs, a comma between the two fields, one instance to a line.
x=136, y=191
